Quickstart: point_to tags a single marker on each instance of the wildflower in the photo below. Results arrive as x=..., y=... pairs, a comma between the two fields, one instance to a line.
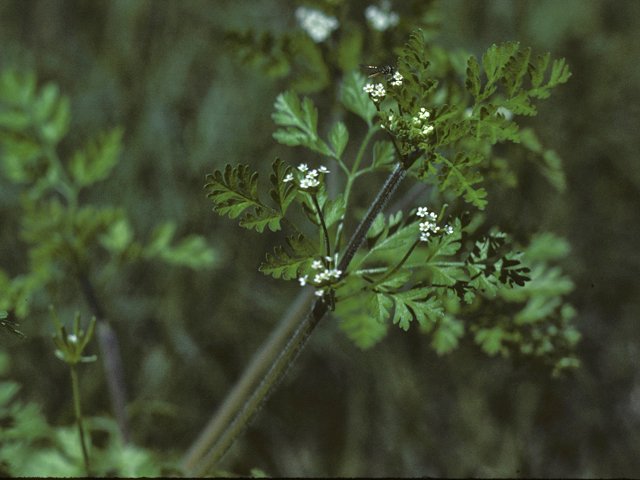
x=427, y=129
x=381, y=18
x=303, y=280
x=396, y=80
x=321, y=277
x=429, y=226
x=288, y=178
x=316, y=265
x=319, y=293
x=72, y=338
x=318, y=25
x=303, y=167
x=323, y=169
x=422, y=211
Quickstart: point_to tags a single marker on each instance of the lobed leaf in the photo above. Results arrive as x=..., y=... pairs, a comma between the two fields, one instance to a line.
x=236, y=190
x=301, y=122
x=355, y=99
x=338, y=138
x=288, y=265
x=97, y=160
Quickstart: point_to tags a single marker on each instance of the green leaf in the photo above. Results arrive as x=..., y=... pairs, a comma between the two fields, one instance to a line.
x=355, y=99
x=301, y=122
x=288, y=265
x=260, y=219
x=192, y=251
x=283, y=192
x=380, y=305
x=446, y=336
x=334, y=210
x=491, y=340
x=459, y=176
x=97, y=160
x=415, y=304
x=384, y=155
x=236, y=190
x=364, y=329
x=338, y=138
x=537, y=74
x=472, y=83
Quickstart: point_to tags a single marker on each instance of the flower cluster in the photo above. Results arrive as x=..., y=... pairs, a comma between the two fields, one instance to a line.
x=420, y=120
x=397, y=78
x=429, y=226
x=327, y=276
x=318, y=25
x=381, y=18
x=307, y=179
x=376, y=91
x=413, y=131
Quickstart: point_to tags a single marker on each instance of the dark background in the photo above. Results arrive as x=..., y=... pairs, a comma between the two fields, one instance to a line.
x=188, y=105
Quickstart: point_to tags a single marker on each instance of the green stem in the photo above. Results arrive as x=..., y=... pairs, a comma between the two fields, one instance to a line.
x=351, y=176
x=324, y=225
x=384, y=277
x=76, y=403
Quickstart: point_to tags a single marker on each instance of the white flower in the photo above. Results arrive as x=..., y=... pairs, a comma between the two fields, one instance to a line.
x=319, y=293
x=318, y=25
x=322, y=276
x=397, y=79
x=288, y=178
x=312, y=174
x=422, y=211
x=317, y=264
x=424, y=114
x=303, y=167
x=381, y=19
x=427, y=129
x=505, y=112
x=368, y=88
x=303, y=280
x=323, y=169
x=72, y=338
x=307, y=182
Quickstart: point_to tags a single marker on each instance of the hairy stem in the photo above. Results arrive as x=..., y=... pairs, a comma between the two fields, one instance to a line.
x=280, y=352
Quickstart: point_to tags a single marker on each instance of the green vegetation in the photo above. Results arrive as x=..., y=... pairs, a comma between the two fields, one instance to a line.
x=433, y=274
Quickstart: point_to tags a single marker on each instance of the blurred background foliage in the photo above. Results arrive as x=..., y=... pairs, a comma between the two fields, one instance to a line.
x=193, y=83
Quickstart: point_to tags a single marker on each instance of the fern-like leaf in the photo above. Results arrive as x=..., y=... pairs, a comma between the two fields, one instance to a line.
x=236, y=190
x=288, y=265
x=300, y=121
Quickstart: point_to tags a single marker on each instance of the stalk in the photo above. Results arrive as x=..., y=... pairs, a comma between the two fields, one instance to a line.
x=76, y=403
